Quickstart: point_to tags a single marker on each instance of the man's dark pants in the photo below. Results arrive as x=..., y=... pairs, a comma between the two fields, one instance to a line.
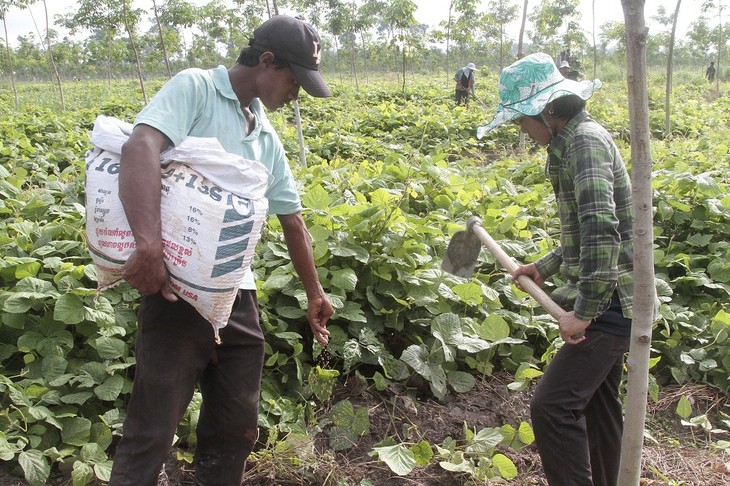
x=577, y=415
x=175, y=350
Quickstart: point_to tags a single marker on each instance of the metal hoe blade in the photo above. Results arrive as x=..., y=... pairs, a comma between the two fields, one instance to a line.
x=463, y=251
x=461, y=254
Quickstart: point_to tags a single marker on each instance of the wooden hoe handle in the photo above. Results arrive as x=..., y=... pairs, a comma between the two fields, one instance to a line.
x=475, y=224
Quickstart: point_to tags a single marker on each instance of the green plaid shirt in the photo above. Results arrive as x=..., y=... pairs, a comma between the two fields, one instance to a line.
x=593, y=191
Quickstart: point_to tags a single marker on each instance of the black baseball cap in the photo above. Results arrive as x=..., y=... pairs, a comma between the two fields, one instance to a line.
x=298, y=43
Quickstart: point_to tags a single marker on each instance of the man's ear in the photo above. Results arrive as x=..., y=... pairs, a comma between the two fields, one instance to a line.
x=267, y=58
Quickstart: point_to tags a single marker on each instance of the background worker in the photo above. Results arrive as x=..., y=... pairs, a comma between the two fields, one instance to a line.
x=464, y=79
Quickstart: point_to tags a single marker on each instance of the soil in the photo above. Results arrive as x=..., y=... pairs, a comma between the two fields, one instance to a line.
x=673, y=454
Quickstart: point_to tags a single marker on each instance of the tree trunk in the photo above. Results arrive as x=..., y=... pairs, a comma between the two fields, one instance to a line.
x=353, y=39
x=365, y=57
x=644, y=290
x=11, y=69
x=519, y=56
x=501, y=46
x=109, y=61
x=670, y=62
x=403, y=58
x=595, y=58
x=162, y=41
x=720, y=43
x=51, y=61
x=448, y=42
x=522, y=31
x=134, y=50
x=337, y=58
x=353, y=60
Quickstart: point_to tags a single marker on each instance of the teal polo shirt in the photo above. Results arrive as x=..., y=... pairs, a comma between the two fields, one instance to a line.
x=201, y=103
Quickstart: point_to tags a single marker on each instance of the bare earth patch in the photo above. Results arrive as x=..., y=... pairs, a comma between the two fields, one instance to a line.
x=673, y=455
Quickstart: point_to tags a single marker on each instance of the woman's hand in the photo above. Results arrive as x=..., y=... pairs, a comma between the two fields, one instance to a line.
x=572, y=329
x=531, y=271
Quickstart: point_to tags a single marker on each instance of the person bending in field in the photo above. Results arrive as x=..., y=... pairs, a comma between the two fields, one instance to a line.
x=175, y=347
x=576, y=411
x=464, y=79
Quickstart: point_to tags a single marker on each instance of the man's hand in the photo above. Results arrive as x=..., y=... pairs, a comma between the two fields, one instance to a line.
x=572, y=329
x=139, y=192
x=148, y=274
x=319, y=310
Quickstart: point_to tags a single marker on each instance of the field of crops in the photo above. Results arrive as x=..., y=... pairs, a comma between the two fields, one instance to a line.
x=390, y=176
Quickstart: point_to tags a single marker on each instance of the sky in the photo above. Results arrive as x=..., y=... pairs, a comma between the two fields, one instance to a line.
x=19, y=22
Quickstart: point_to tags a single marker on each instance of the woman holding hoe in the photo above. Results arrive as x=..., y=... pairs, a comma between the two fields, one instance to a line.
x=576, y=410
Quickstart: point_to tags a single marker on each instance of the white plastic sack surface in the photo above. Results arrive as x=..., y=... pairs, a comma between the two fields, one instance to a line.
x=209, y=232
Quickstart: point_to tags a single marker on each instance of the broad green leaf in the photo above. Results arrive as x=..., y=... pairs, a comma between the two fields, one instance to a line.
x=92, y=452
x=422, y=452
x=344, y=279
x=110, y=348
x=103, y=470
x=76, y=398
x=7, y=451
x=447, y=329
x=722, y=317
x=18, y=304
x=110, y=389
x=470, y=293
x=319, y=233
x=76, y=431
x=15, y=321
x=35, y=467
x=82, y=474
x=101, y=436
x=316, y=198
x=458, y=463
x=322, y=382
x=30, y=341
x=53, y=366
x=69, y=309
x=37, y=288
x=29, y=269
x=381, y=382
x=399, y=458
x=415, y=356
x=461, y=381
x=277, y=282
x=486, y=439
x=684, y=408
x=525, y=433
x=351, y=311
x=708, y=186
x=505, y=466
x=494, y=328
x=290, y=312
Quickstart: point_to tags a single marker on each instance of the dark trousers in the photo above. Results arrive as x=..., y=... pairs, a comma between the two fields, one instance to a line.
x=462, y=96
x=175, y=350
x=577, y=415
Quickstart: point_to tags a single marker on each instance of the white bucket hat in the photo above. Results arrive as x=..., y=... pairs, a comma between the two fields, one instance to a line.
x=528, y=85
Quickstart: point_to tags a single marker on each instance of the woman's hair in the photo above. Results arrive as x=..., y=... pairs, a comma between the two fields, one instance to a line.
x=250, y=57
x=566, y=107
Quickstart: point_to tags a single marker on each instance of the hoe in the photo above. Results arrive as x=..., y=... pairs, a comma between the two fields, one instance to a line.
x=463, y=251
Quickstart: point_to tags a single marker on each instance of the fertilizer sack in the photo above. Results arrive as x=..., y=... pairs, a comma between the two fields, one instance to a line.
x=213, y=210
